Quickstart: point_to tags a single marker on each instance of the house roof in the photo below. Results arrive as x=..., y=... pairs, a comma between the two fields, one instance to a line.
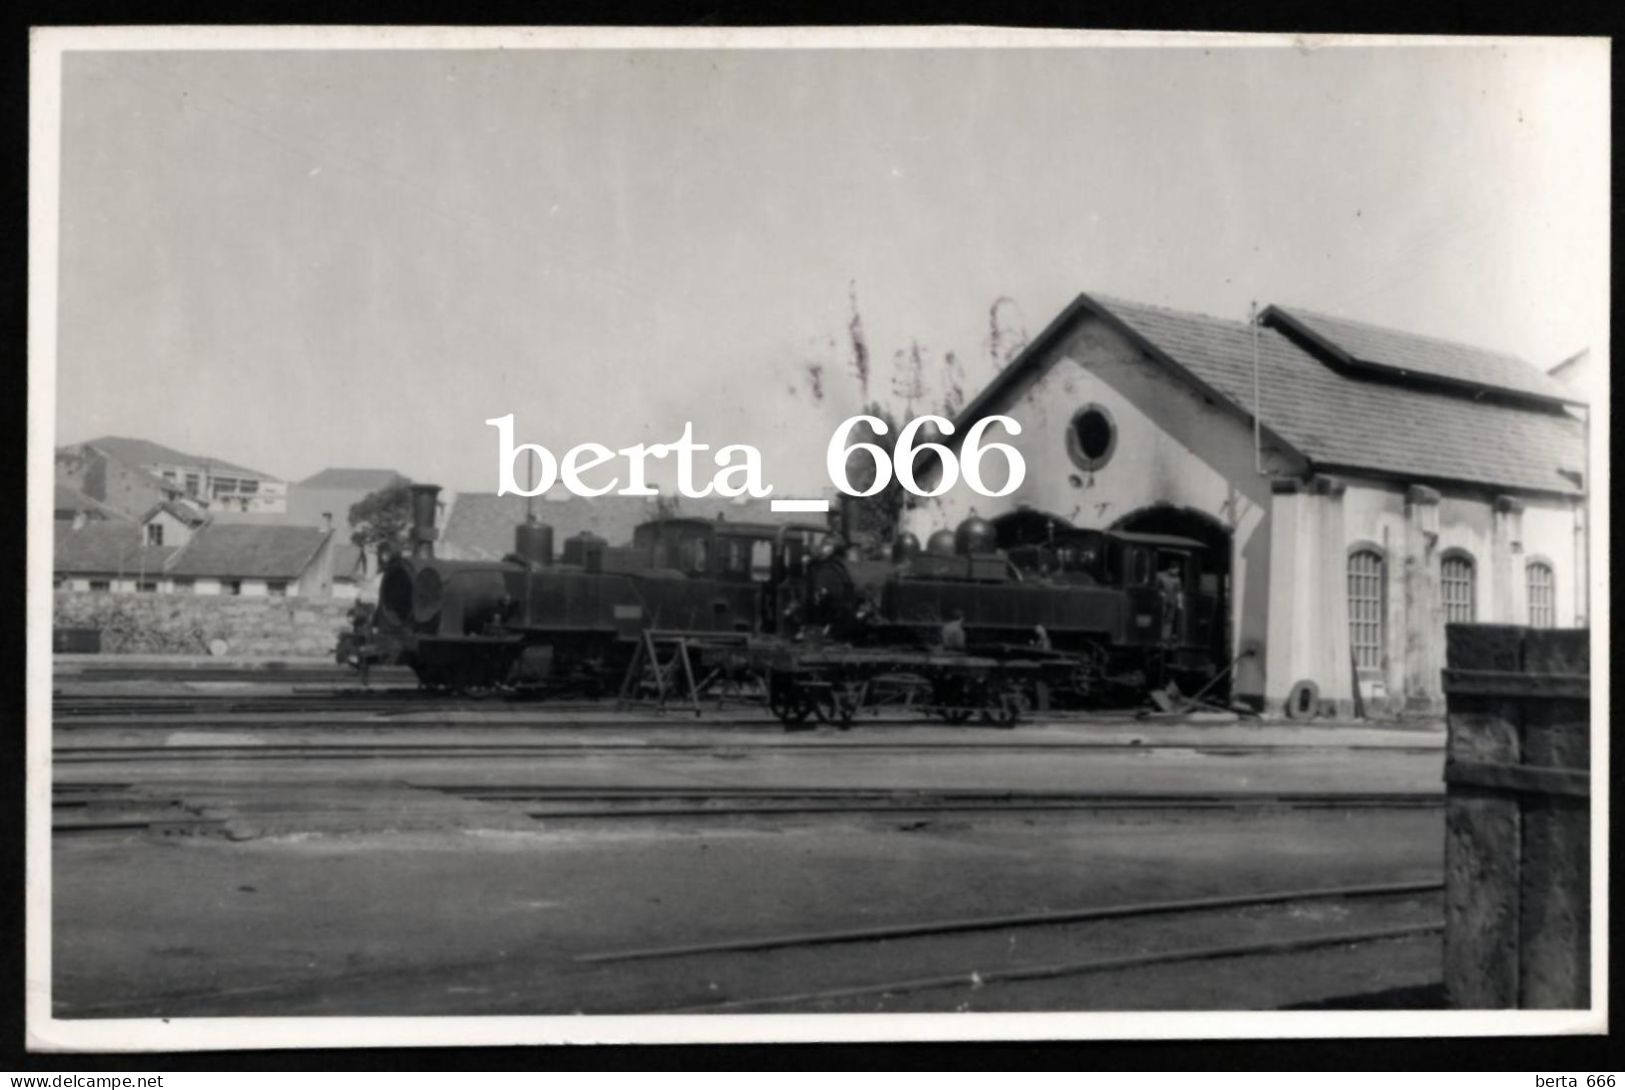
x=71, y=499
x=139, y=452
x=1396, y=354
x=480, y=525
x=347, y=561
x=107, y=548
x=1331, y=418
x=179, y=509
x=236, y=551
x=348, y=479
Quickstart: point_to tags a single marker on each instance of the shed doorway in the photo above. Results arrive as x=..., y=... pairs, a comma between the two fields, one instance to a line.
x=1213, y=574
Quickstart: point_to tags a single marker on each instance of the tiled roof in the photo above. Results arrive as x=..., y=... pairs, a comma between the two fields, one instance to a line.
x=1337, y=420
x=227, y=515
x=368, y=479
x=71, y=499
x=480, y=525
x=107, y=548
x=179, y=509
x=346, y=561
x=1410, y=354
x=139, y=452
x=253, y=552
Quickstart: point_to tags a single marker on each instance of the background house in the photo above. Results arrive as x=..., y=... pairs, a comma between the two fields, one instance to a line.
x=352, y=578
x=213, y=559
x=332, y=492
x=134, y=474
x=254, y=561
x=108, y=555
x=172, y=522
x=73, y=506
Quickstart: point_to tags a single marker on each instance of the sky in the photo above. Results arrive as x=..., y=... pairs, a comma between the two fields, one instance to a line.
x=300, y=259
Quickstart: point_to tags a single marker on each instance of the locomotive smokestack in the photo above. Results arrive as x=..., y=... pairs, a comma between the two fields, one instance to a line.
x=424, y=499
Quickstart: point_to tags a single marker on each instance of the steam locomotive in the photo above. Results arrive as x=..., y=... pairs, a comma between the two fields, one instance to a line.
x=473, y=626
x=1075, y=615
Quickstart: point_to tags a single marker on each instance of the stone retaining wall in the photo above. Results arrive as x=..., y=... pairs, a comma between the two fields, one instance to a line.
x=187, y=624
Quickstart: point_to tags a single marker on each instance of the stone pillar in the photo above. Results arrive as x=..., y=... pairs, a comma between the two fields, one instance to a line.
x=1330, y=632
x=1283, y=660
x=1507, y=592
x=1424, y=613
x=1582, y=560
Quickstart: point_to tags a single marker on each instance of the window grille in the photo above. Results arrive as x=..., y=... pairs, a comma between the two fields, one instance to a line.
x=1365, y=579
x=1456, y=581
x=1542, y=598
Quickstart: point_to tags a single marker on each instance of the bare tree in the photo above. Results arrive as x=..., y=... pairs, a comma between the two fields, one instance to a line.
x=874, y=521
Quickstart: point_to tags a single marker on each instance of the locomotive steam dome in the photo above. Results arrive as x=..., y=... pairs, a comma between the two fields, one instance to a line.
x=906, y=547
x=940, y=543
x=533, y=543
x=974, y=537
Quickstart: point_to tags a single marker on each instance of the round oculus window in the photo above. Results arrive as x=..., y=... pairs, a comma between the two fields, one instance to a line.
x=1091, y=437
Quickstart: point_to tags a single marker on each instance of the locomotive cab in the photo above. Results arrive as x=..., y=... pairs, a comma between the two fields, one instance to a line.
x=715, y=575
x=1172, y=606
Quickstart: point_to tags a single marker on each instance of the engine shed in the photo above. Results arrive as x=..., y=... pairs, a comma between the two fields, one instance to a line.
x=1355, y=487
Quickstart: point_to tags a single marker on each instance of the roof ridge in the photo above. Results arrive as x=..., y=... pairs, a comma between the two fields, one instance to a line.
x=1118, y=301
x=1392, y=330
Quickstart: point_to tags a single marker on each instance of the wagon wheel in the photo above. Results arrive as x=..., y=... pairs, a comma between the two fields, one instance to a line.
x=1004, y=707
x=826, y=704
x=846, y=698
x=951, y=700
x=786, y=702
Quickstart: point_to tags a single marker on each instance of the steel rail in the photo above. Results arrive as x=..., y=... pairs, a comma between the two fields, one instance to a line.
x=1026, y=919
x=1076, y=968
x=522, y=792
x=833, y=745
x=969, y=807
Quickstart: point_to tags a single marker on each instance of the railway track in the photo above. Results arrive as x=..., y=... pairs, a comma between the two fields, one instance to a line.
x=978, y=979
x=79, y=808
x=885, y=963
x=555, y=802
x=399, y=749
x=317, y=702
x=80, y=702
x=95, y=806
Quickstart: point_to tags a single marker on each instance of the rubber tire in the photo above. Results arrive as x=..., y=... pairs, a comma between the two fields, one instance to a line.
x=1303, y=702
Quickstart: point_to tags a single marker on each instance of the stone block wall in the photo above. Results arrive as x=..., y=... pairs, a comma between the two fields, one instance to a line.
x=187, y=624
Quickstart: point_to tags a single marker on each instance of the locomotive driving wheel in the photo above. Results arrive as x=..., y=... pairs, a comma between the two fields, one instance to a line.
x=1004, y=705
x=950, y=698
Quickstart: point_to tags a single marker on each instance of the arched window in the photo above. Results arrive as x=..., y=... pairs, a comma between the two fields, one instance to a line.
x=1542, y=597
x=1366, y=610
x=1457, y=583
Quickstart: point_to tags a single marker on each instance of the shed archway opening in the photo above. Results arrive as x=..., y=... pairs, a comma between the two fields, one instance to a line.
x=1213, y=574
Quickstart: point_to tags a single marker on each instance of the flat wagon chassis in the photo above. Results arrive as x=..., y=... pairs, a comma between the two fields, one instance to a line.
x=833, y=685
